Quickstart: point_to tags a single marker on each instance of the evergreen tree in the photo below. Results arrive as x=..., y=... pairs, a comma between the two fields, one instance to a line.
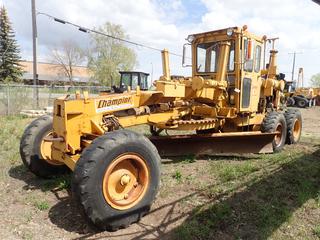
x=10, y=69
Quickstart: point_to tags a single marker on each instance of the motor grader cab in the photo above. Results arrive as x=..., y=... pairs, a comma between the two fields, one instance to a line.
x=230, y=103
x=132, y=79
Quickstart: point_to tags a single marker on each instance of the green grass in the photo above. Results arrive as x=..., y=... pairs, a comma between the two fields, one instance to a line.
x=41, y=205
x=12, y=128
x=316, y=231
x=189, y=158
x=61, y=182
x=259, y=195
x=200, y=226
x=254, y=197
x=230, y=172
x=177, y=176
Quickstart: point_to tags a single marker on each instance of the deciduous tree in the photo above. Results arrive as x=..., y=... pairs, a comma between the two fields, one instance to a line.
x=315, y=80
x=66, y=58
x=108, y=55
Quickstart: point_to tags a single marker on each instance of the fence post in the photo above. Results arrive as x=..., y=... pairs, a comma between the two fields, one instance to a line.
x=8, y=100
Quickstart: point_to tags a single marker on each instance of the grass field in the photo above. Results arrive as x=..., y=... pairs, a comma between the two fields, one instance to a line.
x=272, y=196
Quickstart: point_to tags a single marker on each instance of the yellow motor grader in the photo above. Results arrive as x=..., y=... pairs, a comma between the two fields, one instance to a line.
x=229, y=104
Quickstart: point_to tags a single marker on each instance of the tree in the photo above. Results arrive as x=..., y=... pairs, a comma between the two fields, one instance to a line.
x=108, y=56
x=315, y=80
x=10, y=69
x=66, y=58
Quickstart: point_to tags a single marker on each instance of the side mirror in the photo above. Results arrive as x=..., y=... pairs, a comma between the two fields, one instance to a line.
x=184, y=57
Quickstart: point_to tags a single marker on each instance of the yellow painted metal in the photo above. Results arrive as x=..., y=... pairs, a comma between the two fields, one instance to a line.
x=165, y=65
x=202, y=101
x=223, y=61
x=297, y=127
x=45, y=151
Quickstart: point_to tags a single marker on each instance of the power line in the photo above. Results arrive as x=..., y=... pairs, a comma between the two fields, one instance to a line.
x=88, y=30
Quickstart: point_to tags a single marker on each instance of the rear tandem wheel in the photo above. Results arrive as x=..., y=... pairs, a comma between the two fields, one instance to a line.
x=276, y=122
x=294, y=125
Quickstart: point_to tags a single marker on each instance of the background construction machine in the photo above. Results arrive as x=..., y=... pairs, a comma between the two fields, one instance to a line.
x=299, y=96
x=230, y=101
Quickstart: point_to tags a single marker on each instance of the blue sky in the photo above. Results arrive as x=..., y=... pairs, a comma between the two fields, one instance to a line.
x=165, y=24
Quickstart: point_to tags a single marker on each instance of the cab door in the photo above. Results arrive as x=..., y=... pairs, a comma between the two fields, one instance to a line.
x=250, y=75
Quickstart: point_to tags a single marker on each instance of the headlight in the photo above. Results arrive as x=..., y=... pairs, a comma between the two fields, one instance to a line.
x=229, y=32
x=190, y=38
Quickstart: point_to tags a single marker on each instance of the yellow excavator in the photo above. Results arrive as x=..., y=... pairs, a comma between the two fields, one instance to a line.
x=231, y=103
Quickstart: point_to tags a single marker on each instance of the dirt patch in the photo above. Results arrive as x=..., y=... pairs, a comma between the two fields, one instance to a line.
x=247, y=197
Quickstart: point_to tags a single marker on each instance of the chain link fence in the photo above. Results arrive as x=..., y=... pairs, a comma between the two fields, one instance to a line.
x=15, y=98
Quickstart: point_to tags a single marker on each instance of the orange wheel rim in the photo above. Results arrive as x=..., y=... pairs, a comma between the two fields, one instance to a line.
x=278, y=136
x=45, y=151
x=125, y=181
x=296, y=129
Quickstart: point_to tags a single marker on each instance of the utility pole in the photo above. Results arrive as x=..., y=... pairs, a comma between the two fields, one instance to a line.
x=294, y=64
x=34, y=42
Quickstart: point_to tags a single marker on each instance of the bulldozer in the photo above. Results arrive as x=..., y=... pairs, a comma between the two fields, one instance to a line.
x=230, y=104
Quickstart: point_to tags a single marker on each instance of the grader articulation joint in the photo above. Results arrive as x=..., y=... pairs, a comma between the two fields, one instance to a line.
x=231, y=104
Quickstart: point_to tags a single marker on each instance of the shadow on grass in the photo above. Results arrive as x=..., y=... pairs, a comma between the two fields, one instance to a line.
x=260, y=209
x=223, y=157
x=253, y=212
x=55, y=184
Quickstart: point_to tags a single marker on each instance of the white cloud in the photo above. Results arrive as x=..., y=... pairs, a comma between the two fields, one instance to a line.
x=161, y=23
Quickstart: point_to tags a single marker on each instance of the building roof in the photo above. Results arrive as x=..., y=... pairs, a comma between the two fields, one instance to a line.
x=52, y=72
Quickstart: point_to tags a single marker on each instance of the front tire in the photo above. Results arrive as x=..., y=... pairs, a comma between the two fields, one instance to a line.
x=36, y=153
x=116, y=179
x=276, y=122
x=294, y=125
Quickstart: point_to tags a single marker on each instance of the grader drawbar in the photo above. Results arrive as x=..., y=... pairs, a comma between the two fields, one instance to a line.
x=230, y=104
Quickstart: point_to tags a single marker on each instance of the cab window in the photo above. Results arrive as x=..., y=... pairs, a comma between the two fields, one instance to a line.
x=257, y=61
x=144, y=82
x=248, y=54
x=135, y=79
x=126, y=79
x=208, y=55
x=231, y=58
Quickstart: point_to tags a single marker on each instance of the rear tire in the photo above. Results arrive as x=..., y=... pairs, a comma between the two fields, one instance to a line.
x=273, y=122
x=30, y=149
x=301, y=102
x=101, y=184
x=294, y=125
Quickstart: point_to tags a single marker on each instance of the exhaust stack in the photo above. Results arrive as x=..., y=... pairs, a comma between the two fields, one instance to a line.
x=165, y=64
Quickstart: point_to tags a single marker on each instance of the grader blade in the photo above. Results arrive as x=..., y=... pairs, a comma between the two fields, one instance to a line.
x=210, y=144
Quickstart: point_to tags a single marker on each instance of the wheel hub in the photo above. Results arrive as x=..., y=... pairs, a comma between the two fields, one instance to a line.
x=125, y=181
x=296, y=129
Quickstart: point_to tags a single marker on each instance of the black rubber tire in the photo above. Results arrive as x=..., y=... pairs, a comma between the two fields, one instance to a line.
x=290, y=102
x=270, y=123
x=318, y=101
x=301, y=102
x=30, y=148
x=291, y=116
x=89, y=171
